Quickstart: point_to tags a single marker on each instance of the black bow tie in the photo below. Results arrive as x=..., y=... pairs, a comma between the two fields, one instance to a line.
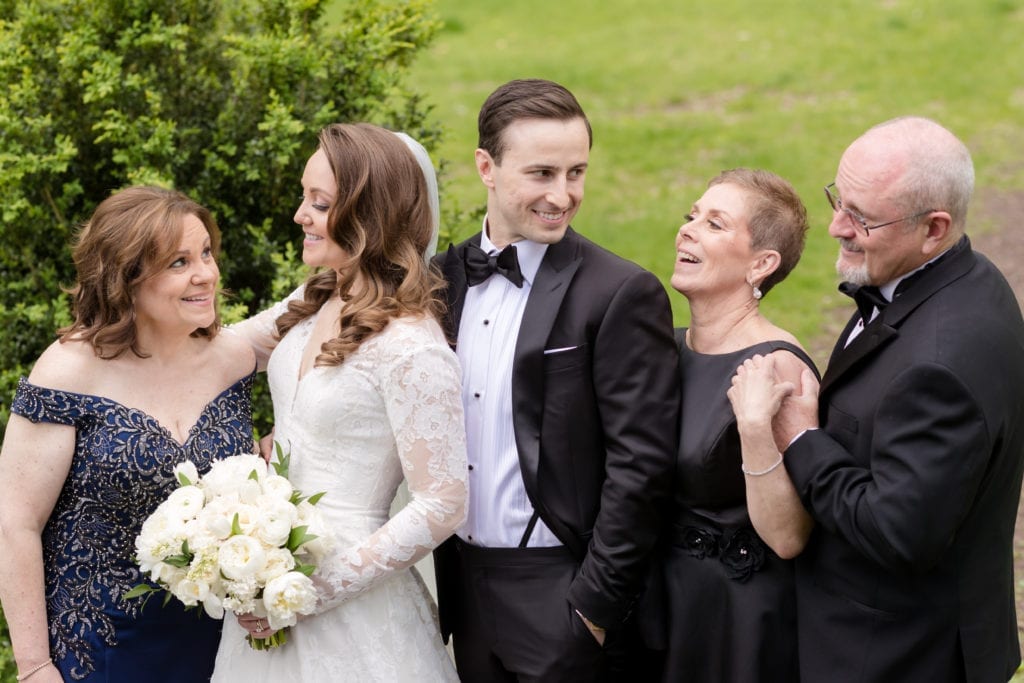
x=480, y=266
x=867, y=298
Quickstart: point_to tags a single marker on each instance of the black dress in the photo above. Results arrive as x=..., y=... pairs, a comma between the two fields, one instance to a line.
x=731, y=600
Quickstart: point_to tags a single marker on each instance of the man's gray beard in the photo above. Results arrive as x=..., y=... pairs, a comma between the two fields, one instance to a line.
x=858, y=275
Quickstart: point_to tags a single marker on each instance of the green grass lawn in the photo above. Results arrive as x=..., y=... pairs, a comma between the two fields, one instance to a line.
x=677, y=92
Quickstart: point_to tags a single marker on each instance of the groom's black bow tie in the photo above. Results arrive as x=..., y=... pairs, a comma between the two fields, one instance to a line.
x=867, y=298
x=480, y=266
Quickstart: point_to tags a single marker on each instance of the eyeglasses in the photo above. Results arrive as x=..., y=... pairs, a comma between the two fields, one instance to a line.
x=837, y=205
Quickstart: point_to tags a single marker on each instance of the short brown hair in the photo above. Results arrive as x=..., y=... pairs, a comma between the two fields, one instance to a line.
x=132, y=236
x=778, y=219
x=531, y=98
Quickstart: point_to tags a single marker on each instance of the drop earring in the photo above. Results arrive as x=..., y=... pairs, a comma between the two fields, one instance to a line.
x=757, y=293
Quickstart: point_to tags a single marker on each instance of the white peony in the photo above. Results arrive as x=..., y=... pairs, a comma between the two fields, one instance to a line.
x=184, y=503
x=279, y=561
x=229, y=476
x=278, y=487
x=241, y=557
x=286, y=597
x=275, y=521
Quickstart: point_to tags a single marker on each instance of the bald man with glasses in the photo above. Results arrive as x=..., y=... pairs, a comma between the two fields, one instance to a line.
x=909, y=455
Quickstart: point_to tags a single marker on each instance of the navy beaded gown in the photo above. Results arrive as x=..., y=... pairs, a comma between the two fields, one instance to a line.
x=731, y=600
x=122, y=469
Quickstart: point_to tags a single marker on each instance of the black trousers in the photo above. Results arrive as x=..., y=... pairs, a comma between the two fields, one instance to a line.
x=512, y=621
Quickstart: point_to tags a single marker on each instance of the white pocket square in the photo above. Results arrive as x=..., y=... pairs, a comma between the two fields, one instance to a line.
x=559, y=350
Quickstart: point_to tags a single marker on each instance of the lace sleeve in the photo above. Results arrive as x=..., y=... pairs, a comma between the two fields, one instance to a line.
x=422, y=395
x=260, y=330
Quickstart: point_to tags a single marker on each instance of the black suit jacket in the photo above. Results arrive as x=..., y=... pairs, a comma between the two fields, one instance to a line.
x=914, y=480
x=595, y=426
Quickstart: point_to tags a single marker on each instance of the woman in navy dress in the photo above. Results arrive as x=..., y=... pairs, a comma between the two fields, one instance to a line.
x=138, y=383
x=737, y=518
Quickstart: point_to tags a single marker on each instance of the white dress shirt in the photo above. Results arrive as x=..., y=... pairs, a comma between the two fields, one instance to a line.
x=499, y=509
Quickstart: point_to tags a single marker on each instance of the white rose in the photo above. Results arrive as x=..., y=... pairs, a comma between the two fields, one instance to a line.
x=279, y=561
x=275, y=521
x=184, y=503
x=217, y=516
x=160, y=537
x=229, y=475
x=286, y=596
x=241, y=557
x=188, y=471
x=278, y=487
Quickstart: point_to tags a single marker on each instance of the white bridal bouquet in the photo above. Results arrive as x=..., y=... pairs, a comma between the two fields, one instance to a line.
x=239, y=539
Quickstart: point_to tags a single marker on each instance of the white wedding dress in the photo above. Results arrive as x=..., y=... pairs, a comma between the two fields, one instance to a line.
x=392, y=410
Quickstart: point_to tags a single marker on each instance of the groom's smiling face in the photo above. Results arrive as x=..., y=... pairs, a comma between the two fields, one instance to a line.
x=537, y=188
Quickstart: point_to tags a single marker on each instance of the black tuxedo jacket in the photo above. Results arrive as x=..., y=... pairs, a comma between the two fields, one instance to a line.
x=914, y=480
x=595, y=426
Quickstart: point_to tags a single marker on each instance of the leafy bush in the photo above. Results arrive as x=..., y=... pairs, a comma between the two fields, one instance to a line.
x=219, y=99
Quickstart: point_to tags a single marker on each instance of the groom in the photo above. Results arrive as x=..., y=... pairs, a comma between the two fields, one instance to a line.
x=571, y=391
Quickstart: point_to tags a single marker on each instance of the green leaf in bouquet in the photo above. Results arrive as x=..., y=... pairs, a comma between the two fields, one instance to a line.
x=254, y=475
x=284, y=460
x=183, y=480
x=298, y=536
x=306, y=569
x=139, y=591
x=179, y=561
x=315, y=498
x=236, y=528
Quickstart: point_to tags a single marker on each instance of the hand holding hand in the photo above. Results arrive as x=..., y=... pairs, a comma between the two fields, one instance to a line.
x=755, y=394
x=798, y=413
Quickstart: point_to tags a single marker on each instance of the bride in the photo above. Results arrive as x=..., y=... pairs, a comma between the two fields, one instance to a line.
x=366, y=392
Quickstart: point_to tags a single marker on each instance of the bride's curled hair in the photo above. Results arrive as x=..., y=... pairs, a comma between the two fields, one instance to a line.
x=382, y=220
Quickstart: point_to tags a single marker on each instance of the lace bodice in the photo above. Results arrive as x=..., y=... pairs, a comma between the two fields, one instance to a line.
x=393, y=409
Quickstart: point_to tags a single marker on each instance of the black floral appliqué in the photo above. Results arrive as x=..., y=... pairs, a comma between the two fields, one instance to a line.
x=742, y=554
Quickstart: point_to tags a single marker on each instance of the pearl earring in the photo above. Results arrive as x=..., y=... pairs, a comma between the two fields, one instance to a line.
x=757, y=292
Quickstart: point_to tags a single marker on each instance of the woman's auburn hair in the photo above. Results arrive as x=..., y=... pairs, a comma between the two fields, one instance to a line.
x=133, y=235
x=381, y=219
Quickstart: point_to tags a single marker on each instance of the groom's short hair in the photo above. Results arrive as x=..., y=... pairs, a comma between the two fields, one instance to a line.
x=528, y=98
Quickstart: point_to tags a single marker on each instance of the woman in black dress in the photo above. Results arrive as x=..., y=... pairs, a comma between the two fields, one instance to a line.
x=737, y=520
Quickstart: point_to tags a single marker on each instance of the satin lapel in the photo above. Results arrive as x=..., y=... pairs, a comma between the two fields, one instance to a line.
x=546, y=294
x=454, y=272
x=951, y=267
x=872, y=337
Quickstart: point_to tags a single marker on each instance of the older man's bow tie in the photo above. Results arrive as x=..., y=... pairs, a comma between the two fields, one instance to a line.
x=480, y=266
x=867, y=298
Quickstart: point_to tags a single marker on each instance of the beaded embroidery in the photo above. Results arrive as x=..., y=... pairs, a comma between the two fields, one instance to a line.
x=121, y=470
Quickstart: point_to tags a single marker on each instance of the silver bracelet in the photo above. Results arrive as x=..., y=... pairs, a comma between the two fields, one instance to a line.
x=760, y=473
x=37, y=667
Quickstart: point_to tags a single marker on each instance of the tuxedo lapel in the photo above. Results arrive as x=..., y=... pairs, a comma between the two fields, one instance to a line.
x=547, y=292
x=879, y=331
x=454, y=271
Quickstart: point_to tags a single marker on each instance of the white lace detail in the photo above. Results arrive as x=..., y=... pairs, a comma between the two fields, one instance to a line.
x=418, y=381
x=391, y=411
